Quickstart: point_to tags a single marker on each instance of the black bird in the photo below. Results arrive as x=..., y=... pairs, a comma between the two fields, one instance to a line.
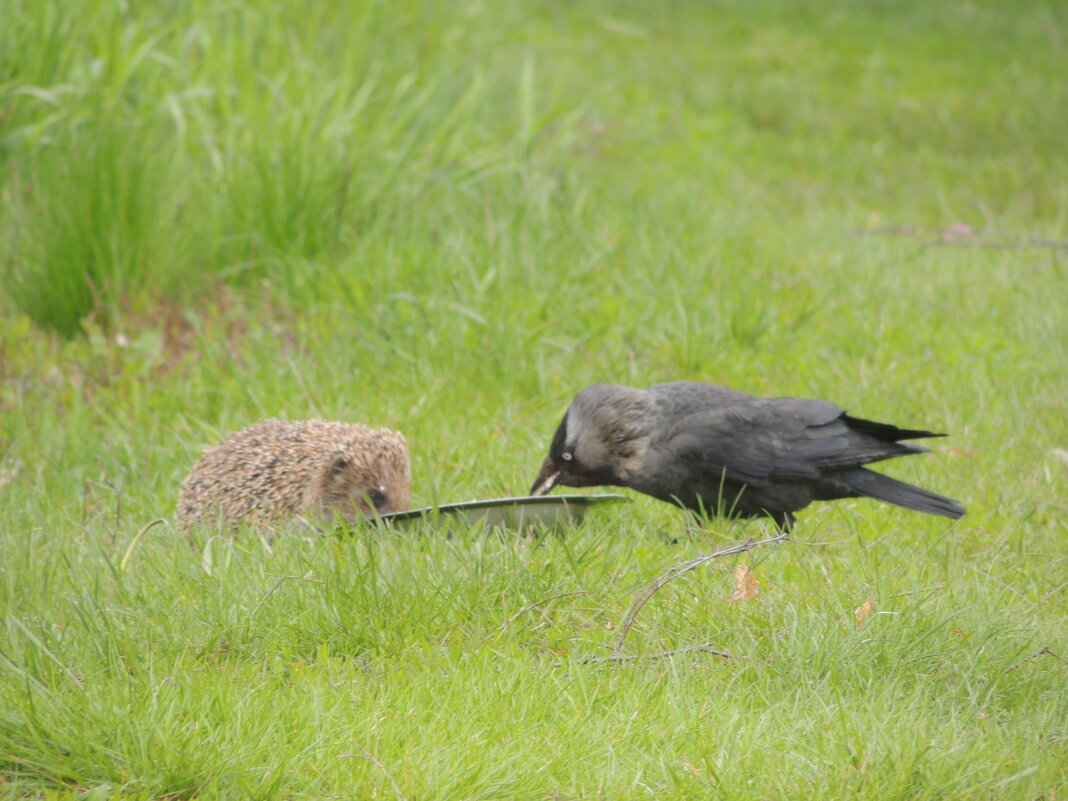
x=716, y=450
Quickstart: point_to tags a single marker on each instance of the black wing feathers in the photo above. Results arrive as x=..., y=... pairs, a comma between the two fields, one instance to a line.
x=786, y=439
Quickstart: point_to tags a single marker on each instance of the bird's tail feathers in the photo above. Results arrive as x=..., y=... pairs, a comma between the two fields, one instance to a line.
x=881, y=487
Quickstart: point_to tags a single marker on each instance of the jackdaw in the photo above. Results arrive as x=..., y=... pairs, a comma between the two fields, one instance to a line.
x=716, y=450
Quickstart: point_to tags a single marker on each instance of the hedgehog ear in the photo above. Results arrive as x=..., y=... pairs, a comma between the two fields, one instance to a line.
x=337, y=466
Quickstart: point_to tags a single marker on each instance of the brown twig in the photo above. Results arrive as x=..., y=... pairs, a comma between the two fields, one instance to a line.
x=535, y=605
x=679, y=570
x=1035, y=655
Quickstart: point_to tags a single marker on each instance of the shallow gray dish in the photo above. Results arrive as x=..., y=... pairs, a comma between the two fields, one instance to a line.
x=536, y=510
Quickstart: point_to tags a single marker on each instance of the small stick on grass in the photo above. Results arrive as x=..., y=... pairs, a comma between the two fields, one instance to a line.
x=1035, y=655
x=679, y=570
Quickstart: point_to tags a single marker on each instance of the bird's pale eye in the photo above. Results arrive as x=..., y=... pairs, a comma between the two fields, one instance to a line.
x=566, y=456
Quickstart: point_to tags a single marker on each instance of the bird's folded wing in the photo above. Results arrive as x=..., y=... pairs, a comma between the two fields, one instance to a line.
x=781, y=439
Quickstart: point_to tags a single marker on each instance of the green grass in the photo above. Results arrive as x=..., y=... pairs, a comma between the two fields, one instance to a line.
x=448, y=219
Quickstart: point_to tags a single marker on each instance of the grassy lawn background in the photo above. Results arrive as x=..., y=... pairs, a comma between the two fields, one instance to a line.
x=448, y=219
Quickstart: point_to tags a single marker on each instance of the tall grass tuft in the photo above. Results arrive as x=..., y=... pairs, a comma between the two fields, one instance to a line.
x=99, y=222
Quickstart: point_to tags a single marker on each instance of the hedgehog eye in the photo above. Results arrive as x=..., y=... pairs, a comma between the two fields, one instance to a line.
x=376, y=498
x=566, y=456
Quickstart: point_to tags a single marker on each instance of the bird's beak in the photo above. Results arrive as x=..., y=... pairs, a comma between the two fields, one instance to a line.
x=546, y=479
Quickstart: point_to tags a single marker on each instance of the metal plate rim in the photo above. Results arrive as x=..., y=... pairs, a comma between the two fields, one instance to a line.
x=490, y=503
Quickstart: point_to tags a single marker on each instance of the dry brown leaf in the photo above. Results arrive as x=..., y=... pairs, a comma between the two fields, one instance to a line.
x=747, y=584
x=863, y=613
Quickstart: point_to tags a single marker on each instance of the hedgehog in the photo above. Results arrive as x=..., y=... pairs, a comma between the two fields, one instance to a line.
x=315, y=470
